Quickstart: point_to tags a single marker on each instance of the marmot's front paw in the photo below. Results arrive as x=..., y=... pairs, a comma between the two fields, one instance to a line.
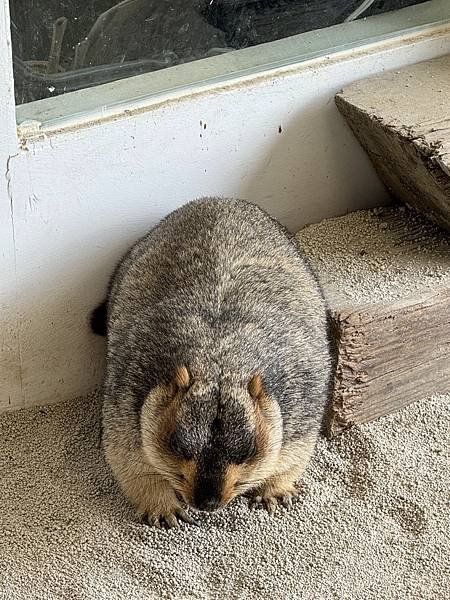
x=154, y=500
x=270, y=503
x=270, y=497
x=170, y=519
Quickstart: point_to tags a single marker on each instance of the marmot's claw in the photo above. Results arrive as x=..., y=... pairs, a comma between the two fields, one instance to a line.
x=170, y=520
x=153, y=521
x=286, y=500
x=255, y=502
x=183, y=515
x=271, y=503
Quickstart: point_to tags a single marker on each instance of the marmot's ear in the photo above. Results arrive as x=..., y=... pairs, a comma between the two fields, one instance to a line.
x=256, y=388
x=181, y=380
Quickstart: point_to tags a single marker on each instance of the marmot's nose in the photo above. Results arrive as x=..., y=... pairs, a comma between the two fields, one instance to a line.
x=207, y=497
x=208, y=504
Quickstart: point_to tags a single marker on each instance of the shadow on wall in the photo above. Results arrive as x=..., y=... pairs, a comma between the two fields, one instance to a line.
x=61, y=358
x=330, y=175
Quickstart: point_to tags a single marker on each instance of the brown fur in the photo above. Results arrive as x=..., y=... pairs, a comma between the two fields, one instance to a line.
x=188, y=469
x=266, y=422
x=292, y=462
x=256, y=388
x=182, y=378
x=232, y=476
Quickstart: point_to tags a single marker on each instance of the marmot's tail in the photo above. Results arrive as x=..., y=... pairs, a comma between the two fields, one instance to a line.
x=98, y=319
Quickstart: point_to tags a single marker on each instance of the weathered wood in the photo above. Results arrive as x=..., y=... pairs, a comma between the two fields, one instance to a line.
x=386, y=274
x=389, y=356
x=402, y=120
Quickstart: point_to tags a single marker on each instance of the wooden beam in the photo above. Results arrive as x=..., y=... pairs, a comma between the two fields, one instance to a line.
x=389, y=356
x=402, y=120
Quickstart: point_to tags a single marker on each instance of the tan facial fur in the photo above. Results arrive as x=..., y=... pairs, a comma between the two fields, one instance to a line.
x=161, y=414
x=233, y=475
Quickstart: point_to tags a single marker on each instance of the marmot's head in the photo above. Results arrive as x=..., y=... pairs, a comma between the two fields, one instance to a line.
x=211, y=441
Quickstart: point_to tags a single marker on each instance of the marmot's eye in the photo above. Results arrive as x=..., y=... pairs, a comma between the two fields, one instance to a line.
x=178, y=446
x=245, y=452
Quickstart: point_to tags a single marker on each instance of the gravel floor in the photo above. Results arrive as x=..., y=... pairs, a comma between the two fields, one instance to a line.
x=372, y=520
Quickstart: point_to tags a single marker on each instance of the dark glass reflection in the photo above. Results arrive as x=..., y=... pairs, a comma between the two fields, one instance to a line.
x=64, y=45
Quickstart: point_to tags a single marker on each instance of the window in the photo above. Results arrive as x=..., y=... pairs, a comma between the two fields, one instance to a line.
x=64, y=46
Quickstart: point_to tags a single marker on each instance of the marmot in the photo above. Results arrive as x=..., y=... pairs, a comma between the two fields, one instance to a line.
x=218, y=362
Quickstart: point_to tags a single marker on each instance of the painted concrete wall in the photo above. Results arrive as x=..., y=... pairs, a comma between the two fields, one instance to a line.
x=80, y=197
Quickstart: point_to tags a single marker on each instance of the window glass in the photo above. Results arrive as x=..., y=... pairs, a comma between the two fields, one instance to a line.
x=68, y=45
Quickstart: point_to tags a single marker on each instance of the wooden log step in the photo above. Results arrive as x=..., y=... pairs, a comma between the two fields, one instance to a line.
x=386, y=274
x=402, y=120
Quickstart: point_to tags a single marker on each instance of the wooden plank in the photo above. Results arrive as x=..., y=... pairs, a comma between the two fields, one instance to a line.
x=386, y=274
x=389, y=356
x=402, y=120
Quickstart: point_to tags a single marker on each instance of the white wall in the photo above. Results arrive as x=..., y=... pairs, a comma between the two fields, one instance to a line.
x=79, y=197
x=10, y=373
